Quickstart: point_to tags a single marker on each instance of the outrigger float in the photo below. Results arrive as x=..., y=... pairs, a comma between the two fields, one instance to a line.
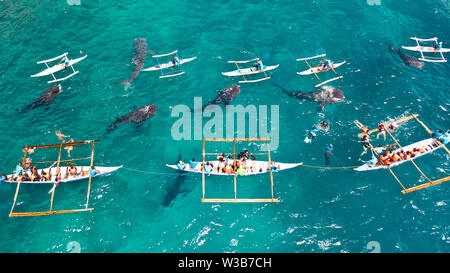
x=258, y=167
x=66, y=177
x=249, y=71
x=170, y=64
x=428, y=145
x=58, y=67
x=318, y=69
x=428, y=49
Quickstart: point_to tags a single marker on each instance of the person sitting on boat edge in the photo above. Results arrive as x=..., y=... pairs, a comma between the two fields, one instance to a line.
x=326, y=65
x=240, y=171
x=193, y=163
x=208, y=168
x=72, y=170
x=3, y=178
x=372, y=162
x=176, y=61
x=93, y=171
x=180, y=165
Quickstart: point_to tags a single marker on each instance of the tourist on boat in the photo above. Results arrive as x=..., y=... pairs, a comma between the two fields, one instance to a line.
x=437, y=134
x=228, y=169
x=240, y=171
x=244, y=155
x=326, y=65
x=73, y=170
x=230, y=160
x=176, y=61
x=3, y=178
x=193, y=163
x=396, y=157
x=20, y=177
x=180, y=165
x=93, y=171
x=259, y=65
x=437, y=47
x=272, y=167
x=382, y=131
x=208, y=168
x=19, y=169
x=222, y=164
x=328, y=151
x=43, y=176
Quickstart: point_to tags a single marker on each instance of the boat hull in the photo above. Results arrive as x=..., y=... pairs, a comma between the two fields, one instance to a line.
x=253, y=167
x=248, y=71
x=103, y=171
x=424, y=48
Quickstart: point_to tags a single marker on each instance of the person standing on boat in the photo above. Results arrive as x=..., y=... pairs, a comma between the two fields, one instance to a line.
x=328, y=151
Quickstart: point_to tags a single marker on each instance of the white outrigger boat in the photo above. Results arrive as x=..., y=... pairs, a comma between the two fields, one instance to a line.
x=249, y=71
x=170, y=64
x=428, y=49
x=253, y=167
x=58, y=67
x=82, y=173
x=318, y=68
x=66, y=177
x=428, y=145
x=438, y=140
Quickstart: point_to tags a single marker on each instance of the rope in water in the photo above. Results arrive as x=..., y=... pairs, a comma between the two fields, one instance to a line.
x=322, y=167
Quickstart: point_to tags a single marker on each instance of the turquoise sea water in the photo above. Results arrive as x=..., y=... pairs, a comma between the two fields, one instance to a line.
x=320, y=210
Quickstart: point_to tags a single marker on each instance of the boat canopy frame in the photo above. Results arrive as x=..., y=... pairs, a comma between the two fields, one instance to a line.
x=52, y=191
x=175, y=73
x=414, y=188
x=317, y=76
x=235, y=199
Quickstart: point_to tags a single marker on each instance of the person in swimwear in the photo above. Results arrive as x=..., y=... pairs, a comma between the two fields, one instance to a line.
x=382, y=131
x=60, y=135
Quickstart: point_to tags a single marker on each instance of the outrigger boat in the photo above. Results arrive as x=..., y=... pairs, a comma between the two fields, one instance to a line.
x=429, y=49
x=170, y=64
x=249, y=71
x=318, y=68
x=58, y=67
x=252, y=167
x=422, y=147
x=63, y=175
x=429, y=145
